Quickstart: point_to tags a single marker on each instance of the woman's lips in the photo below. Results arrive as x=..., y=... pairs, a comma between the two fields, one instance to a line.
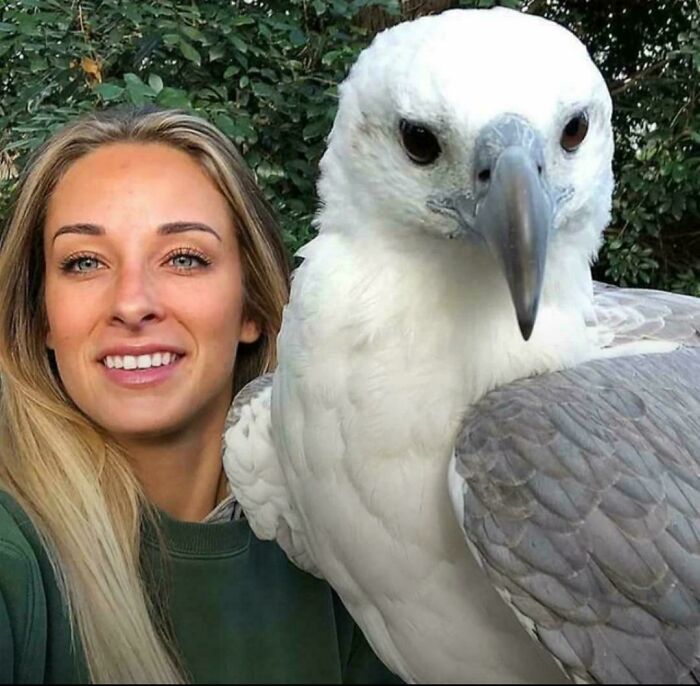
x=140, y=378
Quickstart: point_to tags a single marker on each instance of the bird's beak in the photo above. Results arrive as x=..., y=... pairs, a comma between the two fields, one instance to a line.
x=514, y=217
x=511, y=209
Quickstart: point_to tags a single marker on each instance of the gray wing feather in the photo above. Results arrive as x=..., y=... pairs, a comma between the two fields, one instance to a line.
x=253, y=389
x=633, y=314
x=581, y=498
x=257, y=480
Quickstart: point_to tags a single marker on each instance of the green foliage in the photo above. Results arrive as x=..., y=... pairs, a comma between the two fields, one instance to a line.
x=266, y=73
x=650, y=56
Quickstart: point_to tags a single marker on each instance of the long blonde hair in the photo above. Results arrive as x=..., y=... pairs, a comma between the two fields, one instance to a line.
x=73, y=481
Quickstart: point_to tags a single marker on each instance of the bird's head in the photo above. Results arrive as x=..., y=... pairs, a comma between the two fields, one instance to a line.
x=485, y=126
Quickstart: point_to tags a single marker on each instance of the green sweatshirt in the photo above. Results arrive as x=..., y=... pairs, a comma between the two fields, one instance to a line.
x=240, y=611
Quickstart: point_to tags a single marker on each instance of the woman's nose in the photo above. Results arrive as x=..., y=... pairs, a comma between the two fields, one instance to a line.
x=135, y=297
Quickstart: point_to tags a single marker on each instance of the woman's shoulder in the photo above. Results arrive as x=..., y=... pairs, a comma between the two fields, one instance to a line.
x=22, y=600
x=18, y=538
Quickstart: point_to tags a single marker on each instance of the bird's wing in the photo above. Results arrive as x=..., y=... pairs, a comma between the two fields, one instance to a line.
x=252, y=466
x=579, y=494
x=628, y=315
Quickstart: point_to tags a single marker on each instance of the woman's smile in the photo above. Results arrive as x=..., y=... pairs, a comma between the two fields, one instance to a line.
x=144, y=279
x=142, y=372
x=140, y=366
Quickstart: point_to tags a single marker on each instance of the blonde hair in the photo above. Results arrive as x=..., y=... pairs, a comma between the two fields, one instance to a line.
x=71, y=478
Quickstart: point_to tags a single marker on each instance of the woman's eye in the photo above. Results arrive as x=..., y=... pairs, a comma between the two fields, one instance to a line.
x=189, y=260
x=184, y=261
x=79, y=264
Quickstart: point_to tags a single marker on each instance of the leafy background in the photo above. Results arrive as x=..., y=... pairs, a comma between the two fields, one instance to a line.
x=266, y=72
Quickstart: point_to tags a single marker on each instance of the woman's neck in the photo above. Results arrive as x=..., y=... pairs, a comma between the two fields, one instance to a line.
x=182, y=474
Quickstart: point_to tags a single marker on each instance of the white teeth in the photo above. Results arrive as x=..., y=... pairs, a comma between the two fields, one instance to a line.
x=139, y=362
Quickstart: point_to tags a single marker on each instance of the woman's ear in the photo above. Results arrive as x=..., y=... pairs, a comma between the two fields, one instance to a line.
x=49, y=339
x=250, y=331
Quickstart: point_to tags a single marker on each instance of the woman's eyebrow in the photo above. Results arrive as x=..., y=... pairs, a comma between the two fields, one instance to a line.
x=163, y=229
x=181, y=227
x=86, y=229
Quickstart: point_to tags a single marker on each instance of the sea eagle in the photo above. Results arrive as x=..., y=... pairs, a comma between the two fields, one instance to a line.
x=493, y=460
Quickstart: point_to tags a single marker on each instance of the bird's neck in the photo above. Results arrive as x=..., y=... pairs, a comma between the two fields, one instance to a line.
x=446, y=305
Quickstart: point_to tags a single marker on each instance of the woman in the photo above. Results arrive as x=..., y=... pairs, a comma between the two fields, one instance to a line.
x=142, y=282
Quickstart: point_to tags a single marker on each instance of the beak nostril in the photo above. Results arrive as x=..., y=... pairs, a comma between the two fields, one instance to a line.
x=485, y=175
x=540, y=169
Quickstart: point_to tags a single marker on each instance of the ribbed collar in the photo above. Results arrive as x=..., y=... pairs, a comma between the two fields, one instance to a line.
x=197, y=539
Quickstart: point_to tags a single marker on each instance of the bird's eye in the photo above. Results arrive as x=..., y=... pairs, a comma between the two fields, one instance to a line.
x=420, y=143
x=575, y=132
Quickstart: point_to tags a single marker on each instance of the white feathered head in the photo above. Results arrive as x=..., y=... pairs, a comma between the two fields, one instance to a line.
x=489, y=126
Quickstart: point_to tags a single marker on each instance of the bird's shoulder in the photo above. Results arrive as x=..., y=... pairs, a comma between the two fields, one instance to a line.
x=257, y=478
x=625, y=316
x=579, y=492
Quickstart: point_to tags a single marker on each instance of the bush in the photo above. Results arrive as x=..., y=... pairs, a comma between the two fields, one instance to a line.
x=266, y=73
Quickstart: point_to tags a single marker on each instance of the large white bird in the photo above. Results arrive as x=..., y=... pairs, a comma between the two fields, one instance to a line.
x=464, y=192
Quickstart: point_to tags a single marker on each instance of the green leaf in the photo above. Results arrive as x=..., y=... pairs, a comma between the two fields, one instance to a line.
x=138, y=92
x=216, y=53
x=242, y=20
x=231, y=70
x=264, y=90
x=190, y=53
x=155, y=82
x=264, y=30
x=297, y=38
x=194, y=34
x=174, y=97
x=240, y=45
x=340, y=7
x=108, y=91
x=133, y=80
x=315, y=129
x=330, y=57
x=226, y=124
x=38, y=64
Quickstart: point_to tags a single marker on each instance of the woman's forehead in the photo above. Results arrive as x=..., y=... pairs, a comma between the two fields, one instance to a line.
x=136, y=182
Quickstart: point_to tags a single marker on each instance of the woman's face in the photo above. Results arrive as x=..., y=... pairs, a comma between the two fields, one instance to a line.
x=141, y=259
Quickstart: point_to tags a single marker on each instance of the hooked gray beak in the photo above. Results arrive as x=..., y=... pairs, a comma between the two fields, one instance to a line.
x=515, y=219
x=511, y=210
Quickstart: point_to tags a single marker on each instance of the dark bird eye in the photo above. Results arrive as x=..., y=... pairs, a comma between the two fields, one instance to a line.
x=575, y=132
x=420, y=143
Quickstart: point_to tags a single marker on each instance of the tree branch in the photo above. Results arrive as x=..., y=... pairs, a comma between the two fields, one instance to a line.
x=534, y=6
x=376, y=19
x=622, y=86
